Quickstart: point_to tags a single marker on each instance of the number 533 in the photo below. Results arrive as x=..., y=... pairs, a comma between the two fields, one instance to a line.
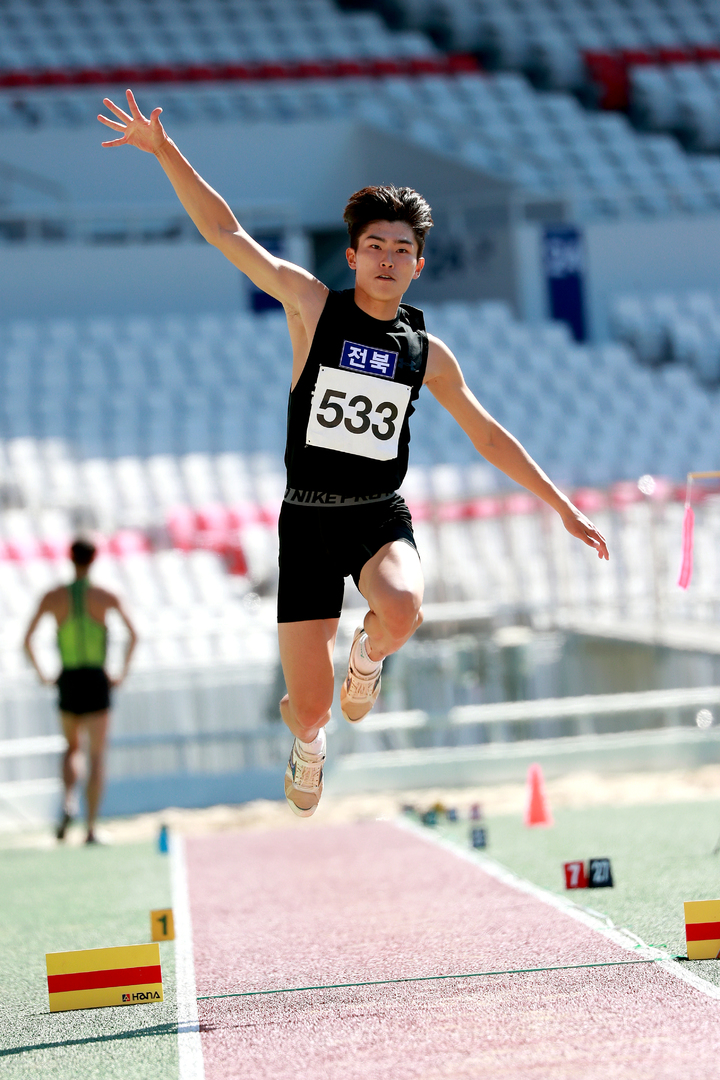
x=331, y=413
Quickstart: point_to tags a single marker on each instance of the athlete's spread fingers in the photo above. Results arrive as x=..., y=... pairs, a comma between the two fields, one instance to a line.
x=155, y=115
x=117, y=110
x=111, y=123
x=116, y=142
x=137, y=115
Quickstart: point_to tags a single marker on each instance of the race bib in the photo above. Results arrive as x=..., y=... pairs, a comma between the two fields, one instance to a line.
x=357, y=414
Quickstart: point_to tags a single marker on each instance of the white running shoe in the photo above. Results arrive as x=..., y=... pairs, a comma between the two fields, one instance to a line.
x=304, y=779
x=359, y=692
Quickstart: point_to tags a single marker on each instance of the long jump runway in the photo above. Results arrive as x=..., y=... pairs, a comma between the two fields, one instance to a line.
x=371, y=901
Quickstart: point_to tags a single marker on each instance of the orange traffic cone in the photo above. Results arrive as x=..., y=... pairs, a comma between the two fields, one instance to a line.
x=537, y=808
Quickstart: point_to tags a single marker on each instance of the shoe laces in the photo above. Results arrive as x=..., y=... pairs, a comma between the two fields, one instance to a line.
x=362, y=686
x=307, y=773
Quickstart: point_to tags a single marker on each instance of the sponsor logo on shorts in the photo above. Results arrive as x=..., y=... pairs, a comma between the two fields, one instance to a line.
x=369, y=361
x=327, y=498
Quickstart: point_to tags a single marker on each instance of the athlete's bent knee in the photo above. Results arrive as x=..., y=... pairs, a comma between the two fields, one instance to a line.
x=402, y=615
x=310, y=714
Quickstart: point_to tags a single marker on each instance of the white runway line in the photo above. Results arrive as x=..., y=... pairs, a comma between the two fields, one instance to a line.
x=603, y=925
x=189, y=1046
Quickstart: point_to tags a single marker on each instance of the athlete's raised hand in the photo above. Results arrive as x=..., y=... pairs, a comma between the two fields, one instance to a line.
x=137, y=130
x=578, y=525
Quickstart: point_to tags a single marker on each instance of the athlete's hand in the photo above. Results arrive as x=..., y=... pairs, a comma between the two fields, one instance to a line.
x=137, y=130
x=578, y=525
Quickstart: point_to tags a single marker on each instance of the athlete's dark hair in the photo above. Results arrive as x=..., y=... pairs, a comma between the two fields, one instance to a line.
x=82, y=552
x=385, y=202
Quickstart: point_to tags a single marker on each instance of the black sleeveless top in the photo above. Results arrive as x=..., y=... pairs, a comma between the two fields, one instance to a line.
x=348, y=429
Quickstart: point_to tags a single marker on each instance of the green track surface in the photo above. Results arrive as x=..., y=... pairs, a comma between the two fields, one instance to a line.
x=81, y=898
x=661, y=855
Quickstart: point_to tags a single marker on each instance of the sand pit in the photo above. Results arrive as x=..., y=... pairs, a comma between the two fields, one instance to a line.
x=575, y=790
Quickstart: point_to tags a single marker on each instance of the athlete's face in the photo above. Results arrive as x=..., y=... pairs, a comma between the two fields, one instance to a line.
x=386, y=259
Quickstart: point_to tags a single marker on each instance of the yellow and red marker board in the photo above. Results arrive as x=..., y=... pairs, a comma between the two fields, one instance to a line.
x=702, y=929
x=91, y=978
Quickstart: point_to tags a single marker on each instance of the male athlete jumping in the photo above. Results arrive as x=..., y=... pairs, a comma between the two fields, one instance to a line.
x=360, y=358
x=79, y=610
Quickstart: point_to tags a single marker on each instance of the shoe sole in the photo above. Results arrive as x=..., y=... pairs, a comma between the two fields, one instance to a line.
x=299, y=810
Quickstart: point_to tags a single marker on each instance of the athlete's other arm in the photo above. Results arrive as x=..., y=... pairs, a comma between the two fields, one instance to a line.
x=445, y=380
x=45, y=607
x=113, y=603
x=293, y=286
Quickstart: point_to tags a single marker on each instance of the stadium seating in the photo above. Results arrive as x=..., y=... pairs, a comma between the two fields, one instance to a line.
x=658, y=61
x=552, y=40
x=679, y=97
x=174, y=411
x=682, y=329
x=544, y=142
x=61, y=41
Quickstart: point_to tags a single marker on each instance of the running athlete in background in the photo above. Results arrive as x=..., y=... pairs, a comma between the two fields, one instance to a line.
x=360, y=358
x=84, y=699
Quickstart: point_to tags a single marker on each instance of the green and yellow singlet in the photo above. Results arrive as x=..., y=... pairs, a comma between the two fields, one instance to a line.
x=82, y=640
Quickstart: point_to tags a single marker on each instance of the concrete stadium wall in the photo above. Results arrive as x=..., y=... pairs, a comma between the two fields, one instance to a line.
x=291, y=176
x=305, y=164
x=72, y=280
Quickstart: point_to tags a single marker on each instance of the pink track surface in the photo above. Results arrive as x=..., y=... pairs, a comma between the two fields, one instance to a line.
x=371, y=901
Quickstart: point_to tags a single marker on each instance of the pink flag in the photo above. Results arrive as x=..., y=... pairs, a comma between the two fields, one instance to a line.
x=687, y=548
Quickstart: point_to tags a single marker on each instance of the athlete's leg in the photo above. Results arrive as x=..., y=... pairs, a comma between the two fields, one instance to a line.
x=306, y=651
x=70, y=771
x=96, y=725
x=392, y=583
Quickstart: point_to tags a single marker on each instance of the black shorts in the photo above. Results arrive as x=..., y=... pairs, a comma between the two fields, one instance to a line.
x=321, y=545
x=83, y=690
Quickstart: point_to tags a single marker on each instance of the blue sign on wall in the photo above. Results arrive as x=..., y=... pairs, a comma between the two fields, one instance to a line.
x=564, y=266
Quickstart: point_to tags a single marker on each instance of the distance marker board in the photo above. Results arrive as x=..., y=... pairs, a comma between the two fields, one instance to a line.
x=597, y=874
x=702, y=929
x=93, y=978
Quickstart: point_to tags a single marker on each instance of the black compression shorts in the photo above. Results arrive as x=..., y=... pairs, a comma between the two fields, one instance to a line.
x=83, y=690
x=322, y=545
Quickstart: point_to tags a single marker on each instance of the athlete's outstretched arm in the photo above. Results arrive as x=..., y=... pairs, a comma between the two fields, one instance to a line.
x=293, y=286
x=445, y=380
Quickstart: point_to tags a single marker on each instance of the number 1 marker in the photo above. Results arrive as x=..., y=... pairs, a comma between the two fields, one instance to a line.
x=162, y=925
